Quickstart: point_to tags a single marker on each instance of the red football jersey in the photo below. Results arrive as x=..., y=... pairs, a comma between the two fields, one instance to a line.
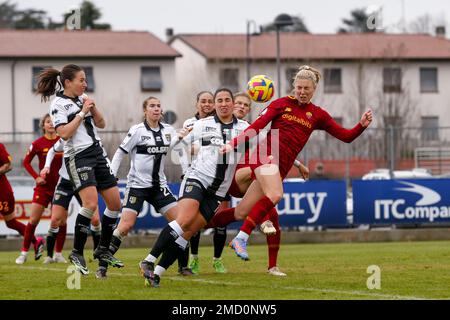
x=295, y=123
x=4, y=158
x=40, y=148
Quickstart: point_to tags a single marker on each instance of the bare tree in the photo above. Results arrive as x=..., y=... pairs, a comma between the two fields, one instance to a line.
x=421, y=24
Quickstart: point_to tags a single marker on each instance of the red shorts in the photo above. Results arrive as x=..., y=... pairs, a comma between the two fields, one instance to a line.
x=259, y=159
x=7, y=203
x=234, y=190
x=42, y=196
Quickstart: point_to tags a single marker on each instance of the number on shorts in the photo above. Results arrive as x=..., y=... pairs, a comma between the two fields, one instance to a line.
x=4, y=206
x=109, y=167
x=165, y=191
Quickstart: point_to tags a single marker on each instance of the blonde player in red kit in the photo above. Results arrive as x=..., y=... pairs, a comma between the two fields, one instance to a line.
x=293, y=118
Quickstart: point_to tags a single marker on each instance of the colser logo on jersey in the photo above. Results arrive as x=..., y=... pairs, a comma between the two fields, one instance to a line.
x=216, y=141
x=424, y=208
x=157, y=150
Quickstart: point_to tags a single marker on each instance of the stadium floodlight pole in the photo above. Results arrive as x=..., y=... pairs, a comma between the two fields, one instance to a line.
x=282, y=20
x=391, y=151
x=255, y=32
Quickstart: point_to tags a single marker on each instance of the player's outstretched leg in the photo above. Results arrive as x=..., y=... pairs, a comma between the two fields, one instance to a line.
x=239, y=245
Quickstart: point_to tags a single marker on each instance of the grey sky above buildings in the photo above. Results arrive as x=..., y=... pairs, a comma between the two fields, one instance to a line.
x=212, y=16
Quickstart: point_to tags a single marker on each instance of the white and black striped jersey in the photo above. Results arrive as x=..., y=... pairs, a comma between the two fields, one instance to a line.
x=57, y=147
x=214, y=170
x=148, y=148
x=63, y=110
x=190, y=122
x=186, y=157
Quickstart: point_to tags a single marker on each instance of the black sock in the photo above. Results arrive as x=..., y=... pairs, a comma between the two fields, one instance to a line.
x=103, y=264
x=219, y=238
x=96, y=238
x=171, y=254
x=115, y=244
x=51, y=239
x=183, y=258
x=195, y=241
x=167, y=236
x=107, y=230
x=81, y=233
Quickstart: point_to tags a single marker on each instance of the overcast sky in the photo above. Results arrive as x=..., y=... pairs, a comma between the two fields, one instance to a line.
x=230, y=16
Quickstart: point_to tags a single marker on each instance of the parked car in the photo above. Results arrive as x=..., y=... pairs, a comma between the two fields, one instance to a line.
x=383, y=174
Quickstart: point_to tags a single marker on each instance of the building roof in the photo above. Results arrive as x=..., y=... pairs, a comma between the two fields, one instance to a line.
x=320, y=46
x=82, y=44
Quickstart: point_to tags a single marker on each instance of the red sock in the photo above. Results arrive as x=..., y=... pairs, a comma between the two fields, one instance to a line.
x=61, y=238
x=257, y=214
x=29, y=235
x=273, y=241
x=222, y=218
x=251, y=222
x=16, y=225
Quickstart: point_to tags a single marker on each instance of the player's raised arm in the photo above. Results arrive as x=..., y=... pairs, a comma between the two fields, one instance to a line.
x=343, y=134
x=99, y=120
x=6, y=167
x=260, y=123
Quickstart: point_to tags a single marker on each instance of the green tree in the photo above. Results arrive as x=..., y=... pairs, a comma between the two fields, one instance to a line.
x=89, y=16
x=357, y=23
x=31, y=19
x=7, y=15
x=298, y=26
x=13, y=18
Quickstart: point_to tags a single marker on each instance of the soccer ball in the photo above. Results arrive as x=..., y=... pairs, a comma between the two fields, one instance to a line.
x=260, y=88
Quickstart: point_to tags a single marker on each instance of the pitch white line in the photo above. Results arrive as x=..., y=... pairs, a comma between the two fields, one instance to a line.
x=239, y=284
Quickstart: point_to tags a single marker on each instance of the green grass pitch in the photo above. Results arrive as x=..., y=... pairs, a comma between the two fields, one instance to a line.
x=409, y=270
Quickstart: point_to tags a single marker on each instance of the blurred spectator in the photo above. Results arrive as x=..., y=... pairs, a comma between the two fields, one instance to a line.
x=319, y=172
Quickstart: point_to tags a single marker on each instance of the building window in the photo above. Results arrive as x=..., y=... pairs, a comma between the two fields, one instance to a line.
x=290, y=75
x=339, y=120
x=229, y=78
x=170, y=117
x=430, y=128
x=89, y=72
x=36, y=127
x=151, y=79
x=332, y=81
x=428, y=80
x=35, y=73
x=392, y=80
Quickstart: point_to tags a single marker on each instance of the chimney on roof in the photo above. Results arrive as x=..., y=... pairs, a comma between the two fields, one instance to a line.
x=440, y=31
x=169, y=34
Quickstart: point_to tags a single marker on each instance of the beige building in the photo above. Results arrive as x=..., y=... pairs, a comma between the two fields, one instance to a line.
x=396, y=75
x=401, y=77
x=123, y=68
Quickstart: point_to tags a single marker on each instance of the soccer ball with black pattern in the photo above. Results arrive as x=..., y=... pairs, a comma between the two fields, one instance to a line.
x=260, y=88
